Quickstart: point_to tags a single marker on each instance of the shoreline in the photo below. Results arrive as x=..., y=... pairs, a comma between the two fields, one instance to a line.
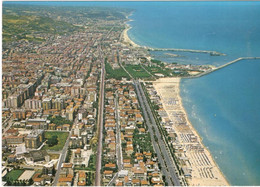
x=173, y=86
x=125, y=38
x=201, y=138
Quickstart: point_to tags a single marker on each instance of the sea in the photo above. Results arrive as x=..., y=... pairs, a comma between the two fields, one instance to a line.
x=224, y=106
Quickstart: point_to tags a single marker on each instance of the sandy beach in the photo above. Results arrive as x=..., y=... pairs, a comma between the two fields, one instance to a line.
x=126, y=39
x=194, y=158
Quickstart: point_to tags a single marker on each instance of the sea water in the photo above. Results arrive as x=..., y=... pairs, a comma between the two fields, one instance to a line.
x=223, y=106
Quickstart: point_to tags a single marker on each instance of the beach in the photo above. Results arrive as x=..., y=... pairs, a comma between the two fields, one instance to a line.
x=126, y=39
x=194, y=158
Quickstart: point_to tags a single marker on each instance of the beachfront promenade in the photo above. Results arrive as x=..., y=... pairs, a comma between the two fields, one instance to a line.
x=222, y=66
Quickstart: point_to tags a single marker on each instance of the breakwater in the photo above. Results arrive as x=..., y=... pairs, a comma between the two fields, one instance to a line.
x=212, y=53
x=222, y=66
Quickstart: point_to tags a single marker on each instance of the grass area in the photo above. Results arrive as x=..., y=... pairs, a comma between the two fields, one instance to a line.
x=62, y=137
x=137, y=71
x=54, y=156
x=58, y=120
x=14, y=174
x=92, y=162
x=143, y=141
x=115, y=73
x=158, y=62
x=155, y=69
x=159, y=67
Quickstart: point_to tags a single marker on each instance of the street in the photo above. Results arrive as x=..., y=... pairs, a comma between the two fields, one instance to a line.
x=118, y=138
x=164, y=157
x=100, y=124
x=100, y=115
x=61, y=160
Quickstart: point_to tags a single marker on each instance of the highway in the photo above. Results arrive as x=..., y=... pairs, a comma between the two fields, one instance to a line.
x=169, y=168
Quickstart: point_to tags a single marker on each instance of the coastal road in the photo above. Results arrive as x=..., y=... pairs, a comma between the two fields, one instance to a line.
x=100, y=121
x=168, y=166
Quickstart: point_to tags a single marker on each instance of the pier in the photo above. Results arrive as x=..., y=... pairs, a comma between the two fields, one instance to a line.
x=222, y=66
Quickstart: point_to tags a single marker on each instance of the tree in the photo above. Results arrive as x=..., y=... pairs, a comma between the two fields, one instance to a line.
x=53, y=171
x=52, y=141
x=30, y=181
x=155, y=106
x=163, y=177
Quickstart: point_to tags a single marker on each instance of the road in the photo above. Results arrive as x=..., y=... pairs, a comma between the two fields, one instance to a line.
x=119, y=154
x=118, y=137
x=100, y=114
x=100, y=122
x=113, y=180
x=9, y=122
x=63, y=156
x=164, y=157
x=61, y=160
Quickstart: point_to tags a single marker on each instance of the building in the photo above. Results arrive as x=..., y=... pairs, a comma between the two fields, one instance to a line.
x=14, y=139
x=75, y=141
x=75, y=90
x=19, y=114
x=33, y=104
x=37, y=124
x=11, y=132
x=82, y=178
x=70, y=114
x=58, y=104
x=37, y=155
x=35, y=139
x=47, y=104
x=48, y=169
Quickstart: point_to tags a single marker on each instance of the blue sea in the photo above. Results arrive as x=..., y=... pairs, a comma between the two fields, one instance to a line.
x=223, y=106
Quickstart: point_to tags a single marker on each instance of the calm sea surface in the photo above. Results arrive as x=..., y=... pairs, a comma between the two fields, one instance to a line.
x=224, y=106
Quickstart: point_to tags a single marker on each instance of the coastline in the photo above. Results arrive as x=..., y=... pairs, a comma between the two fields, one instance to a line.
x=201, y=139
x=201, y=162
x=126, y=38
